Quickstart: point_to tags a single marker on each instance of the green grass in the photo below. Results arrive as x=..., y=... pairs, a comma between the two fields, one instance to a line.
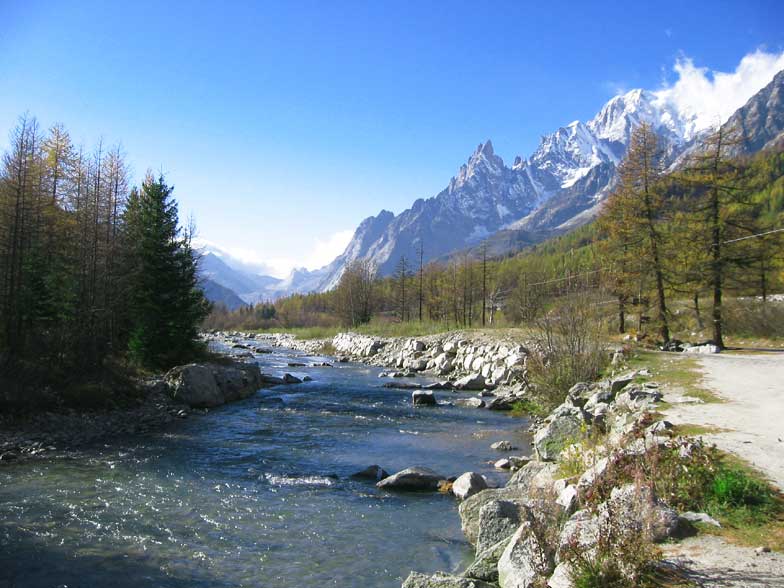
x=692, y=430
x=674, y=371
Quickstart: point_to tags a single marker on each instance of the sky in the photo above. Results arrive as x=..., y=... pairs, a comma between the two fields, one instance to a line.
x=283, y=124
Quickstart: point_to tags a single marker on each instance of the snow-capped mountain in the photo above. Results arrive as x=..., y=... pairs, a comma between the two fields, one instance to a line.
x=560, y=186
x=482, y=197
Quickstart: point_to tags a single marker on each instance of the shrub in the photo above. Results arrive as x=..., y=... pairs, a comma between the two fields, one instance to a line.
x=753, y=317
x=568, y=348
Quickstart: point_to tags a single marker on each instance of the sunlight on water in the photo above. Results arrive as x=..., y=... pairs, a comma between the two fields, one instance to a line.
x=257, y=493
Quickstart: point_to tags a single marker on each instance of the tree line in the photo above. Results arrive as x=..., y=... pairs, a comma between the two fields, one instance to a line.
x=91, y=269
x=689, y=234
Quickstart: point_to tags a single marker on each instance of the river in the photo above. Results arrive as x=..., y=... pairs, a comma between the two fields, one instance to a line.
x=254, y=493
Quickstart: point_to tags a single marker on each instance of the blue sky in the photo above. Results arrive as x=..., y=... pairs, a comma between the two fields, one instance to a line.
x=282, y=125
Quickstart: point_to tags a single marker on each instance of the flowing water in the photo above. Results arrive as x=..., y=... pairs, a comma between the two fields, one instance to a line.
x=254, y=493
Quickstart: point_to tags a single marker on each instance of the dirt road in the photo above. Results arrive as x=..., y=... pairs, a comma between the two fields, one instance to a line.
x=752, y=415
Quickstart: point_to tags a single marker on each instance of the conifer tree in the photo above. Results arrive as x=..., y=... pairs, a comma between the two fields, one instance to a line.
x=167, y=304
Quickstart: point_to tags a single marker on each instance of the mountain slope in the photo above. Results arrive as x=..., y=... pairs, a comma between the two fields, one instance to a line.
x=218, y=294
x=559, y=187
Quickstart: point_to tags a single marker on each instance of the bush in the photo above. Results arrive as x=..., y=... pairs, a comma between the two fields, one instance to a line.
x=753, y=318
x=569, y=347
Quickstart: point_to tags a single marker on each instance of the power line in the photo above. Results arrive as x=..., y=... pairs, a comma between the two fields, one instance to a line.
x=753, y=236
x=568, y=277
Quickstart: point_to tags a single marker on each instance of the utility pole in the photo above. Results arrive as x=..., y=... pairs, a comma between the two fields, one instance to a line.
x=484, y=281
x=421, y=276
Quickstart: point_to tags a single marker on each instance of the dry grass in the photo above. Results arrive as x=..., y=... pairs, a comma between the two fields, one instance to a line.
x=675, y=372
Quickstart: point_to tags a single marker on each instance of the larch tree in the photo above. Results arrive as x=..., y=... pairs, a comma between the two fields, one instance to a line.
x=633, y=220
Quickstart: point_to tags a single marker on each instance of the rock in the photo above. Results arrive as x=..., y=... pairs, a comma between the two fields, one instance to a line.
x=418, y=365
x=467, y=485
x=470, y=509
x=532, y=476
x=704, y=348
x=412, y=479
x=471, y=402
x=272, y=380
x=195, y=385
x=417, y=580
x=470, y=382
x=620, y=382
x=289, y=379
x=498, y=520
x=526, y=561
x=564, y=428
x=519, y=461
x=402, y=385
x=296, y=364
x=502, y=446
x=762, y=549
x=423, y=398
x=700, y=517
x=659, y=428
x=307, y=379
x=503, y=464
x=568, y=499
x=438, y=386
x=562, y=577
x=374, y=472
x=675, y=345
x=485, y=565
x=501, y=403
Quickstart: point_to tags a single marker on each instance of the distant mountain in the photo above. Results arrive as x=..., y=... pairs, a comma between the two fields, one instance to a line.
x=559, y=187
x=218, y=294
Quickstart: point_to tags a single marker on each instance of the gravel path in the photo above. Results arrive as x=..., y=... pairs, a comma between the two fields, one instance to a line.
x=752, y=420
x=711, y=562
x=752, y=415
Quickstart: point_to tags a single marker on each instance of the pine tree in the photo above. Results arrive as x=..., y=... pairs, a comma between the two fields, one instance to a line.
x=167, y=304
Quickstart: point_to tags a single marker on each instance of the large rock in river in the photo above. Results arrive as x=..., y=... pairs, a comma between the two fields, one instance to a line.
x=209, y=385
x=412, y=479
x=468, y=484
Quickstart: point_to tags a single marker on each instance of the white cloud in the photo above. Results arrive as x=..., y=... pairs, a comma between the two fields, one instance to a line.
x=710, y=97
x=325, y=250
x=322, y=252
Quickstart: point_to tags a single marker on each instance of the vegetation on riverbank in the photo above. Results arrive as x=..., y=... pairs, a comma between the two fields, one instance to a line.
x=96, y=278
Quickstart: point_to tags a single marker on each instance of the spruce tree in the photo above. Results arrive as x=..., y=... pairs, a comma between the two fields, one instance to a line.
x=167, y=304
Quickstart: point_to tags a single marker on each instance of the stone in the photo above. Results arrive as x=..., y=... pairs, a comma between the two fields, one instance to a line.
x=423, y=398
x=568, y=499
x=417, y=580
x=498, y=520
x=418, y=365
x=704, y=348
x=289, y=379
x=562, y=577
x=374, y=472
x=519, y=461
x=620, y=382
x=468, y=484
x=564, y=428
x=659, y=428
x=503, y=464
x=485, y=564
x=296, y=364
x=195, y=386
x=470, y=509
x=526, y=561
x=307, y=379
x=700, y=517
x=502, y=446
x=470, y=382
x=412, y=479
x=471, y=402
